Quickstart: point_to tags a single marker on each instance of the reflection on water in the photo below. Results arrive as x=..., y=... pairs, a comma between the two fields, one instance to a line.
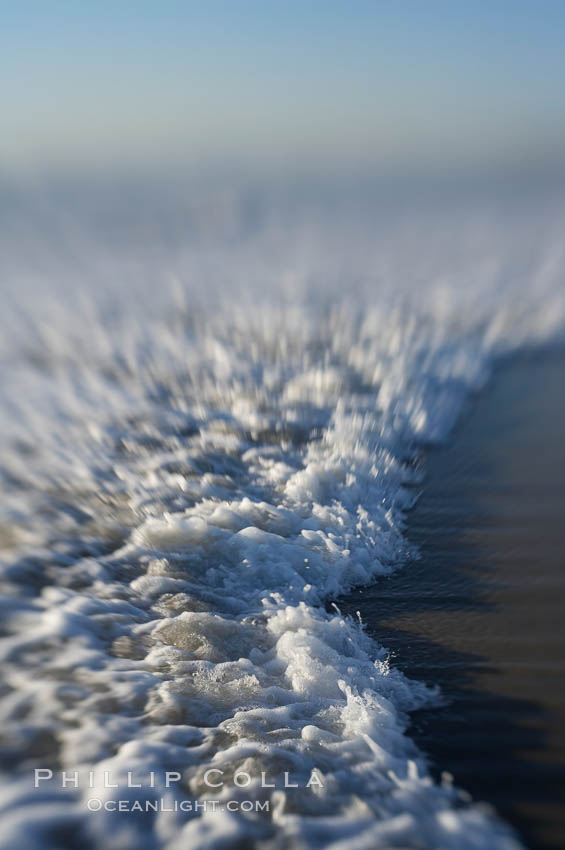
x=483, y=612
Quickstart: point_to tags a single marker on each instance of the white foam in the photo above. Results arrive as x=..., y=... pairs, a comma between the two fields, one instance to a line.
x=186, y=486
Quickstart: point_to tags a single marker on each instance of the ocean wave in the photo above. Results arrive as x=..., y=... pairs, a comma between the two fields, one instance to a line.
x=192, y=474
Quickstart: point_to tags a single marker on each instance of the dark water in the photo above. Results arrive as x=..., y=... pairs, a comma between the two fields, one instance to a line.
x=483, y=612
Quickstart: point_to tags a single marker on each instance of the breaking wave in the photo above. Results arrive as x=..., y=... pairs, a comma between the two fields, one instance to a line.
x=213, y=410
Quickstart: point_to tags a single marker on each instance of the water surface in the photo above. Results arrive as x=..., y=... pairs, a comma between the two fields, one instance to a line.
x=483, y=612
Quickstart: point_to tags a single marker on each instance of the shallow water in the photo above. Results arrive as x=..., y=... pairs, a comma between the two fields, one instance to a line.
x=482, y=612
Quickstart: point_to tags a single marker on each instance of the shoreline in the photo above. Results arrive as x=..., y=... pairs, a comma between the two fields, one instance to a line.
x=479, y=613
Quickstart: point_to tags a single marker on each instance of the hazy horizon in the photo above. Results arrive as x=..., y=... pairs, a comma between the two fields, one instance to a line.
x=334, y=87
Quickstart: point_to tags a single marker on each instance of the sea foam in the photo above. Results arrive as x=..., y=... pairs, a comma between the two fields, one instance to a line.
x=194, y=470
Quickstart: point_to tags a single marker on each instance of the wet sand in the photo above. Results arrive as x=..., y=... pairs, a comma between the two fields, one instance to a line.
x=482, y=613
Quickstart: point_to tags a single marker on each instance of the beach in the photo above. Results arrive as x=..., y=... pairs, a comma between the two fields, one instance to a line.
x=481, y=612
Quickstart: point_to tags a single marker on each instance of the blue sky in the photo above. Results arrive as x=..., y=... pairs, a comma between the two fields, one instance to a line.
x=333, y=84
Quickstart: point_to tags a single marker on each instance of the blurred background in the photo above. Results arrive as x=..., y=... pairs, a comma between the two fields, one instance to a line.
x=159, y=135
x=269, y=89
